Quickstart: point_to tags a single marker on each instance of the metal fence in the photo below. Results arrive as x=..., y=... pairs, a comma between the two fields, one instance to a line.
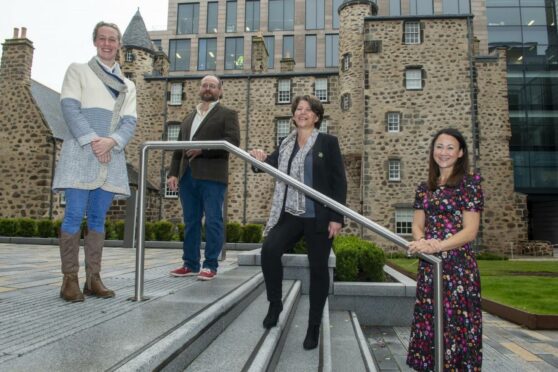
x=347, y=212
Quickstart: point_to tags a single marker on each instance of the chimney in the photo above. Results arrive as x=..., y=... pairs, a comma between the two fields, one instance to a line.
x=259, y=54
x=287, y=64
x=17, y=59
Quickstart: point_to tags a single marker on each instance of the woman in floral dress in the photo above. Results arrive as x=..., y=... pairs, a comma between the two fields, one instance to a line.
x=445, y=221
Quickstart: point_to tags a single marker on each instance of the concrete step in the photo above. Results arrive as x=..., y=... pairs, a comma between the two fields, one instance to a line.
x=349, y=347
x=293, y=357
x=116, y=334
x=237, y=345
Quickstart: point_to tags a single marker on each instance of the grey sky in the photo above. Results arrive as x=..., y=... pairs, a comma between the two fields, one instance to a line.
x=61, y=29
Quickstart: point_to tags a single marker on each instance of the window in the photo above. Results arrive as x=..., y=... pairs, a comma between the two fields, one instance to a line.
x=346, y=62
x=179, y=55
x=288, y=46
x=413, y=78
x=230, y=25
x=252, y=16
x=320, y=89
x=234, y=53
x=157, y=43
x=281, y=15
x=284, y=91
x=212, y=14
x=394, y=7
x=324, y=127
x=332, y=51
x=345, y=102
x=404, y=221
x=62, y=198
x=207, y=50
x=310, y=51
x=173, y=129
x=270, y=46
x=335, y=19
x=315, y=14
x=393, y=122
x=394, y=170
x=188, y=18
x=176, y=94
x=129, y=56
x=412, y=33
x=421, y=7
x=168, y=192
x=129, y=76
x=283, y=129
x=456, y=7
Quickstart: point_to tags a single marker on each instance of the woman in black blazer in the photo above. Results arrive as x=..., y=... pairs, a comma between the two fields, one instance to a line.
x=315, y=159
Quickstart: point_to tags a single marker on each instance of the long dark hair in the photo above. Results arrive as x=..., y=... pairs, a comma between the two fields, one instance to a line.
x=461, y=167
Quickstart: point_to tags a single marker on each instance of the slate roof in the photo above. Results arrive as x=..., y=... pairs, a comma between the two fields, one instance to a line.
x=48, y=101
x=136, y=34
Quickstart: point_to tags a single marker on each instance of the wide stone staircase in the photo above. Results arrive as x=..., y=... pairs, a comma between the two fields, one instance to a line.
x=227, y=335
x=186, y=325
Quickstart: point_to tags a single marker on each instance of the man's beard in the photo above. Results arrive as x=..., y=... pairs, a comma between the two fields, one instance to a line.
x=208, y=97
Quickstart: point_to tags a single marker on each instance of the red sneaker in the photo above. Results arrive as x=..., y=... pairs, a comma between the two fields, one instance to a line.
x=184, y=271
x=207, y=274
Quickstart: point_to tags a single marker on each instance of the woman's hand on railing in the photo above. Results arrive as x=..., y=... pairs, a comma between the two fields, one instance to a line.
x=430, y=246
x=259, y=154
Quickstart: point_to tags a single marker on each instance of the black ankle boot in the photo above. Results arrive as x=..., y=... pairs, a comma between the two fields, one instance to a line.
x=312, y=337
x=272, y=316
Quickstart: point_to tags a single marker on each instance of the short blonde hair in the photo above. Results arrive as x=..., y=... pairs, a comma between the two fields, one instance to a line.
x=106, y=24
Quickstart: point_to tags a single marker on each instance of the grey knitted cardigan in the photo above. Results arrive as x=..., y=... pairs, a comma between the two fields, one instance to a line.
x=88, y=106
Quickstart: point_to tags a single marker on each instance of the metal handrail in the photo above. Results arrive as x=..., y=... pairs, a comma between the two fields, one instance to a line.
x=326, y=201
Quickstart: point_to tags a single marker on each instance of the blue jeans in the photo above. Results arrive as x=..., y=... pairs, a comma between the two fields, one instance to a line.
x=199, y=197
x=95, y=202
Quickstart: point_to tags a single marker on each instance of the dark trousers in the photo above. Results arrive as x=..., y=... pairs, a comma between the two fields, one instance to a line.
x=282, y=238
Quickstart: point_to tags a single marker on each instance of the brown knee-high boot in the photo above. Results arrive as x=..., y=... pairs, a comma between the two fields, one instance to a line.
x=93, y=245
x=69, y=255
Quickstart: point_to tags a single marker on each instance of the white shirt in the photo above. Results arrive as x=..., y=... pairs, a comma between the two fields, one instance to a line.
x=199, y=117
x=109, y=69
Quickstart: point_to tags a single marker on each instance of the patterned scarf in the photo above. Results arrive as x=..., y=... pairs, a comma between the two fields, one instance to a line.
x=295, y=203
x=115, y=84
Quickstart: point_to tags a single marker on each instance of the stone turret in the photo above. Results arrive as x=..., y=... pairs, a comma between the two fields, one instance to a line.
x=139, y=59
x=351, y=131
x=17, y=58
x=351, y=71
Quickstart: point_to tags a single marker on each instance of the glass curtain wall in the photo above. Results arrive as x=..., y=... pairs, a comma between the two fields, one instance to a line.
x=527, y=29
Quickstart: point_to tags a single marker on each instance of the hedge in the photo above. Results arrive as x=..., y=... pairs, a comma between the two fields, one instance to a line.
x=358, y=260
x=114, y=230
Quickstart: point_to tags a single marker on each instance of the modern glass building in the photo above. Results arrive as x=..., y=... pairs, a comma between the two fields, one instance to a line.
x=528, y=30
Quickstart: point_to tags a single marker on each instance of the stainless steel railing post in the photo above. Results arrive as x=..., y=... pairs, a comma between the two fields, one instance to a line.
x=326, y=201
x=140, y=221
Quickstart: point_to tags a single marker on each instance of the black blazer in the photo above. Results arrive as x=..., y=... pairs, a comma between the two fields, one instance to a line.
x=221, y=123
x=328, y=177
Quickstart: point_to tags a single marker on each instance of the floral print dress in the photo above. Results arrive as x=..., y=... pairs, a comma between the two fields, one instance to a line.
x=443, y=210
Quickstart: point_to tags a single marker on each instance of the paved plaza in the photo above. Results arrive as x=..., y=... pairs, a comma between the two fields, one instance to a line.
x=33, y=319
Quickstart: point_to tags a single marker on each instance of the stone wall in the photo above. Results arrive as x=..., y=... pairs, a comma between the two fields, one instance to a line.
x=28, y=148
x=504, y=220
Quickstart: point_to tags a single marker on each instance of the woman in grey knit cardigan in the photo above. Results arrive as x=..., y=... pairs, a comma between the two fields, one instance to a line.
x=99, y=107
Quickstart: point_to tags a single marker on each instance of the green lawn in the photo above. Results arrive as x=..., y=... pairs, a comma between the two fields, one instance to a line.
x=530, y=286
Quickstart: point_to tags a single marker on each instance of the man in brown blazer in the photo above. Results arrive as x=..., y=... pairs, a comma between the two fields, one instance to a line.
x=201, y=177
